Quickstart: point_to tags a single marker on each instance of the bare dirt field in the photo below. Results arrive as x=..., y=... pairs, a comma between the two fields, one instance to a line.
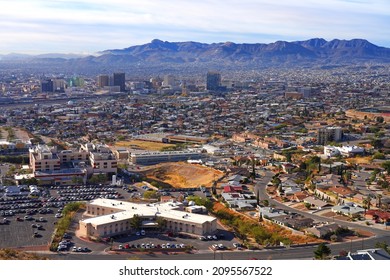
x=360, y=160
x=143, y=145
x=183, y=175
x=18, y=133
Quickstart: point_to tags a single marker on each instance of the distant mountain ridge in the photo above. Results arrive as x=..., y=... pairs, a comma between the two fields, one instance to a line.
x=313, y=49
x=158, y=57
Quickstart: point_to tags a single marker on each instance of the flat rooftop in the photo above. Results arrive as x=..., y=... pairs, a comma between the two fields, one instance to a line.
x=126, y=210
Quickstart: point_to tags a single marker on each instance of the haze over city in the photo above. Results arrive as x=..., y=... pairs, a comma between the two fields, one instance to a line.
x=86, y=27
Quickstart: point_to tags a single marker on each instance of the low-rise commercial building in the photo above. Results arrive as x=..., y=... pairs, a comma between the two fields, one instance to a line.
x=107, y=217
x=149, y=158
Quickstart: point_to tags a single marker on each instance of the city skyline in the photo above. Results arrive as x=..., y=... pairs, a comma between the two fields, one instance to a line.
x=86, y=27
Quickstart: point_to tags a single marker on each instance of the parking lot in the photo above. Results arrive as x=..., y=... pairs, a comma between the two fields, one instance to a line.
x=20, y=233
x=27, y=220
x=17, y=230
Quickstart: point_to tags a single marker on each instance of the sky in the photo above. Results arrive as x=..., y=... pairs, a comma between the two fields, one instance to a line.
x=90, y=26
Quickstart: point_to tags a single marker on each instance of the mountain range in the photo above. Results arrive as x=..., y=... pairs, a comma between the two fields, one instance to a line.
x=280, y=51
x=194, y=55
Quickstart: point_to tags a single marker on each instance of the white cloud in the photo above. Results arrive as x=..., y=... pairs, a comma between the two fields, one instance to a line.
x=95, y=25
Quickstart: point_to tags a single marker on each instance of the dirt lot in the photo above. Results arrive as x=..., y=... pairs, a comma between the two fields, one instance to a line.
x=143, y=145
x=359, y=160
x=183, y=175
x=19, y=134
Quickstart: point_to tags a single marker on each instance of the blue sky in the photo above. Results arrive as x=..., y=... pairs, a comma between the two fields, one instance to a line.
x=88, y=26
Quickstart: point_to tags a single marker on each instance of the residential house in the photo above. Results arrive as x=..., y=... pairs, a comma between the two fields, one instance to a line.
x=378, y=215
x=295, y=221
x=315, y=202
x=348, y=209
x=232, y=189
x=270, y=212
x=322, y=230
x=300, y=196
x=240, y=201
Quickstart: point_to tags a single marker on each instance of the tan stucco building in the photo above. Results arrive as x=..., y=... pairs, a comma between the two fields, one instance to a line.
x=107, y=217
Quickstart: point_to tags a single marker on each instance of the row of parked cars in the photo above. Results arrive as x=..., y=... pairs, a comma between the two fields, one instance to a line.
x=87, y=193
x=210, y=237
x=151, y=246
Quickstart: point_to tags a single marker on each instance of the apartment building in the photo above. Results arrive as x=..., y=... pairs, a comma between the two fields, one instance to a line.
x=44, y=158
x=102, y=159
x=61, y=167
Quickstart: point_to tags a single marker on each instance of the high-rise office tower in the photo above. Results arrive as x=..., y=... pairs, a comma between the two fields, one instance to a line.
x=169, y=81
x=119, y=80
x=213, y=80
x=47, y=86
x=103, y=81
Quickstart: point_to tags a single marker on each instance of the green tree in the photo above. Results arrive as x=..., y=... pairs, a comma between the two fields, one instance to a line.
x=379, y=119
x=77, y=180
x=378, y=155
x=151, y=194
x=322, y=252
x=383, y=245
x=30, y=181
x=136, y=222
x=386, y=166
x=161, y=223
x=98, y=178
x=201, y=201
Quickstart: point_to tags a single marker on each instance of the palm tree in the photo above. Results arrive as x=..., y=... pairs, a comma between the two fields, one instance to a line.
x=379, y=201
x=367, y=203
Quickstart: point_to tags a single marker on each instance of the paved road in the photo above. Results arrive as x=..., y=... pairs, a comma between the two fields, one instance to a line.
x=267, y=254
